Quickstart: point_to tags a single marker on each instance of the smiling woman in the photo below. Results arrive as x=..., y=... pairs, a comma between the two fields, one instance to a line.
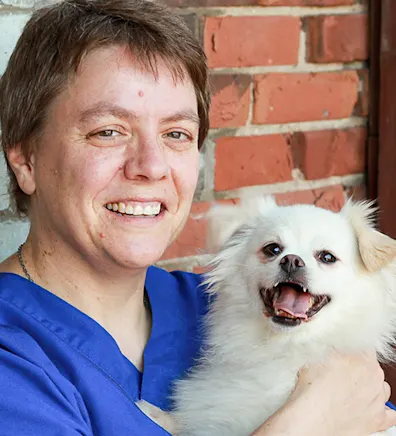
x=104, y=107
x=104, y=161
x=134, y=152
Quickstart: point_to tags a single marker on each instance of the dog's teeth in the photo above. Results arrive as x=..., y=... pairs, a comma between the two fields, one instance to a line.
x=276, y=284
x=305, y=289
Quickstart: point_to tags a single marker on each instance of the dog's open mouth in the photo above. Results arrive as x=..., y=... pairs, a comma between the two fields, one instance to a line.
x=290, y=303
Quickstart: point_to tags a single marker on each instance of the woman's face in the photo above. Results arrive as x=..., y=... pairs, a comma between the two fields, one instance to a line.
x=117, y=163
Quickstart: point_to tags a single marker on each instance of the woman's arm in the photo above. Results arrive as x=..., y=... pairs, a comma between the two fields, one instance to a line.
x=345, y=397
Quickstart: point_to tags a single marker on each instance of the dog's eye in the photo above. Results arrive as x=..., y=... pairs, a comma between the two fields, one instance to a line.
x=272, y=250
x=326, y=257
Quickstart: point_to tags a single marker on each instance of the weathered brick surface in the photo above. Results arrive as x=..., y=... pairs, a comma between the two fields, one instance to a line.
x=337, y=38
x=192, y=239
x=250, y=41
x=230, y=100
x=254, y=160
x=285, y=97
x=331, y=197
x=322, y=154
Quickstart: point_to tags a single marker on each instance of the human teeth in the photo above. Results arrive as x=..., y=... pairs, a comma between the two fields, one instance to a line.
x=148, y=210
x=138, y=210
x=156, y=209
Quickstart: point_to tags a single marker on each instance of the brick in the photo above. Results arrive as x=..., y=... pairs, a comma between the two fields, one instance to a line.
x=322, y=154
x=306, y=2
x=254, y=160
x=284, y=98
x=11, y=26
x=251, y=41
x=192, y=240
x=331, y=197
x=230, y=100
x=337, y=38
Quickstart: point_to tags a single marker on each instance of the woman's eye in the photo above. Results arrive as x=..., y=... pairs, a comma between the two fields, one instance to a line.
x=272, y=250
x=108, y=137
x=178, y=135
x=108, y=133
x=327, y=257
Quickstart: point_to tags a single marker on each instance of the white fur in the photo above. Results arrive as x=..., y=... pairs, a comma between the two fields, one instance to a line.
x=250, y=364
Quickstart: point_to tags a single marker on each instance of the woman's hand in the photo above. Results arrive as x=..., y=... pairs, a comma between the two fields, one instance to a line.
x=345, y=396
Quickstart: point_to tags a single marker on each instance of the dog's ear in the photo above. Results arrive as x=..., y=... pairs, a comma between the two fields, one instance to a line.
x=224, y=220
x=376, y=249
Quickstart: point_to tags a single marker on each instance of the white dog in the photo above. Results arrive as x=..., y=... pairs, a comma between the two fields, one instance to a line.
x=290, y=285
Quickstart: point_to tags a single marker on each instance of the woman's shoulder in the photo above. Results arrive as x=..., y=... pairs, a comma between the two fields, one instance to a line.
x=181, y=286
x=182, y=280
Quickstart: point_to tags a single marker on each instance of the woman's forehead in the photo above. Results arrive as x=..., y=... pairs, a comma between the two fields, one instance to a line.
x=112, y=77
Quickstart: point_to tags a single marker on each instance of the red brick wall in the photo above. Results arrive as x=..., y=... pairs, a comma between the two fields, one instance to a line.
x=289, y=86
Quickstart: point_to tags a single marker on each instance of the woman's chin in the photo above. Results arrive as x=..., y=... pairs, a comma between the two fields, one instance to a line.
x=133, y=257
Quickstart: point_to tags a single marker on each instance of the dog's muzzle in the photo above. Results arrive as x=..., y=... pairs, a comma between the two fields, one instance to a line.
x=289, y=302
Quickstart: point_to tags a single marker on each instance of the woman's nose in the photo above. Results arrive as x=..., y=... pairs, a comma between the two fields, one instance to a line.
x=146, y=161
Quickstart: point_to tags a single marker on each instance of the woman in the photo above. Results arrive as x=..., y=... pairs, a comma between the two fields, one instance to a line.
x=104, y=108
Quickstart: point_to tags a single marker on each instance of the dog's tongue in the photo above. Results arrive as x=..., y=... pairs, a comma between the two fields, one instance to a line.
x=292, y=302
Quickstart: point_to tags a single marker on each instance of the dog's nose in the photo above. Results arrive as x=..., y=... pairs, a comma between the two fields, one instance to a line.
x=291, y=262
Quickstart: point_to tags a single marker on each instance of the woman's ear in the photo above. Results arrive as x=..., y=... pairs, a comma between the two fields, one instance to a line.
x=23, y=168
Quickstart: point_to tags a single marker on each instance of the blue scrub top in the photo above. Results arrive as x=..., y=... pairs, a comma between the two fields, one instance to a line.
x=61, y=373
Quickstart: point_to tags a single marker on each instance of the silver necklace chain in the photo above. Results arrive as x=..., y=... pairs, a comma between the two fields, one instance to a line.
x=146, y=300
x=22, y=263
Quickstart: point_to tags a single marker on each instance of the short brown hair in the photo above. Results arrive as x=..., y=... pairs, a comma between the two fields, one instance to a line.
x=56, y=38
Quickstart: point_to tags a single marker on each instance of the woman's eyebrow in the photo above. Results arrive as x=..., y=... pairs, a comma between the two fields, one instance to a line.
x=103, y=109
x=187, y=115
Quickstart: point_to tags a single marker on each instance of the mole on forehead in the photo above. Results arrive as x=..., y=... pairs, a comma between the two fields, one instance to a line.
x=140, y=93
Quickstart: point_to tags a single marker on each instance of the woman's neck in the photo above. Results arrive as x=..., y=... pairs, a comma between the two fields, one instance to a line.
x=113, y=298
